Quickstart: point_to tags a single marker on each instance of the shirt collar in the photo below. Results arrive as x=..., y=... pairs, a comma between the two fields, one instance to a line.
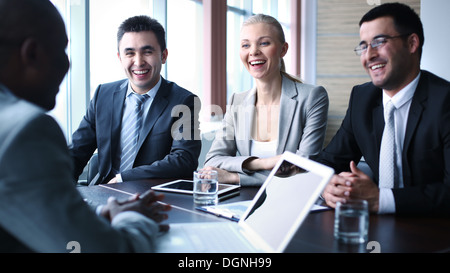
x=152, y=92
x=404, y=95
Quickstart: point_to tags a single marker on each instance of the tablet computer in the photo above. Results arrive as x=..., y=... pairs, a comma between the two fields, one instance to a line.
x=187, y=187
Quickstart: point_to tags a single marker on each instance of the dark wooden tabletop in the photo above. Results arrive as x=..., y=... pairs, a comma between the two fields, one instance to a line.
x=387, y=233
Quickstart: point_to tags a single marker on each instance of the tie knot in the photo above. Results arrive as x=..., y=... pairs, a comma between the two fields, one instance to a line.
x=389, y=108
x=139, y=99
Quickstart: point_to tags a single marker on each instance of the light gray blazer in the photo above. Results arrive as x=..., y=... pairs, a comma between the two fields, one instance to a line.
x=40, y=208
x=302, y=125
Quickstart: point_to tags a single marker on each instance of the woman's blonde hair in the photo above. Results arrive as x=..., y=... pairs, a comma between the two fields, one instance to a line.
x=267, y=19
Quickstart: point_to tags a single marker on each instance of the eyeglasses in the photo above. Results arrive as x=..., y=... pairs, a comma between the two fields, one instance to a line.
x=376, y=43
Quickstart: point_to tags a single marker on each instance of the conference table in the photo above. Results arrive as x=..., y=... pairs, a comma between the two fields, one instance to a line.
x=387, y=233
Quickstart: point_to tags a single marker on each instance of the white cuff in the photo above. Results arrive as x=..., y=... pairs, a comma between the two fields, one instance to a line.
x=119, y=178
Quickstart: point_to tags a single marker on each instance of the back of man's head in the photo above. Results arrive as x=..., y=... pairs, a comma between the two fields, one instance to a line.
x=33, y=61
x=20, y=19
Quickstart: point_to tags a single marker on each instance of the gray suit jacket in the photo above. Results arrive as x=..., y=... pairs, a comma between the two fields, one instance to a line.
x=302, y=125
x=40, y=208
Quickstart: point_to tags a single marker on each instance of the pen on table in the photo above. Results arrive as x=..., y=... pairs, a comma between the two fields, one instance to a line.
x=220, y=213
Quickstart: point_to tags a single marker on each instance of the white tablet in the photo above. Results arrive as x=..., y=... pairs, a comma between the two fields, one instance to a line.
x=187, y=187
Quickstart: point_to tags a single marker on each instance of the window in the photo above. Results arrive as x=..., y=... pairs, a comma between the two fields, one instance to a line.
x=92, y=29
x=185, y=44
x=238, y=79
x=59, y=113
x=105, y=17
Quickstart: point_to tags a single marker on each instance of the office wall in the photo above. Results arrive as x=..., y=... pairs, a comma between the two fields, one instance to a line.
x=436, y=23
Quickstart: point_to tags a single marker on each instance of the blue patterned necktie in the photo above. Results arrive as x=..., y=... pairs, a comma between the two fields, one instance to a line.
x=131, y=127
x=388, y=153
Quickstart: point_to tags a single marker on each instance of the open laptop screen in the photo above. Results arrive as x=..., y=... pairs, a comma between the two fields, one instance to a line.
x=285, y=201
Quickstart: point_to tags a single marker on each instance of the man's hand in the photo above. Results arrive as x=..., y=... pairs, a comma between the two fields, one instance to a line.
x=352, y=185
x=337, y=190
x=148, y=204
x=362, y=187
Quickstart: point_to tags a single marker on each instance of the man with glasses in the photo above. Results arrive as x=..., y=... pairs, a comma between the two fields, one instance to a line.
x=399, y=122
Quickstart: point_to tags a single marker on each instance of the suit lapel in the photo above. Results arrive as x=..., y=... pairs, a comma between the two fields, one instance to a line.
x=415, y=112
x=116, y=116
x=378, y=126
x=247, y=110
x=288, y=105
x=159, y=104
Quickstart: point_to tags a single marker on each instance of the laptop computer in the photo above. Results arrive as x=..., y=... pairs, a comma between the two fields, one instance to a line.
x=270, y=222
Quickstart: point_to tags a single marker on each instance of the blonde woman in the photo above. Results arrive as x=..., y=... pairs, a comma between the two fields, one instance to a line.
x=279, y=114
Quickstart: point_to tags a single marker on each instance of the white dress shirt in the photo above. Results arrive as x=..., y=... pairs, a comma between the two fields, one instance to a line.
x=402, y=102
x=263, y=149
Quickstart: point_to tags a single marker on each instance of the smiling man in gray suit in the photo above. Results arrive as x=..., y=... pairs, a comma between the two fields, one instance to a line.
x=40, y=208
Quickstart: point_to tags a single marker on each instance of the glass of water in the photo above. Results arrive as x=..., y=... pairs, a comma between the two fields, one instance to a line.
x=351, y=223
x=205, y=187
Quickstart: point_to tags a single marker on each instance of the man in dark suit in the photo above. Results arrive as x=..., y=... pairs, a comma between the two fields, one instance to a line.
x=165, y=141
x=390, y=49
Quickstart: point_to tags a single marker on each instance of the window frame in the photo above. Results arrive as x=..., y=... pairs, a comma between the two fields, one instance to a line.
x=74, y=102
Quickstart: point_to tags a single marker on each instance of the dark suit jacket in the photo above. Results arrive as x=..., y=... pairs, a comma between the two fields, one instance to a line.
x=426, y=150
x=168, y=147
